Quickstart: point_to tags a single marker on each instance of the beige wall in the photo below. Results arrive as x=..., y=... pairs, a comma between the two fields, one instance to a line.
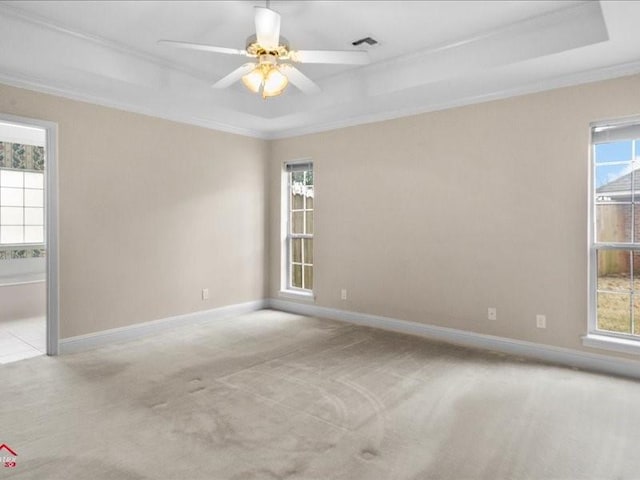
x=151, y=211
x=435, y=217
x=431, y=218
x=22, y=301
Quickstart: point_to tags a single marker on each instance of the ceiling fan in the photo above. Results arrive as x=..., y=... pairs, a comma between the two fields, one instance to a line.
x=271, y=69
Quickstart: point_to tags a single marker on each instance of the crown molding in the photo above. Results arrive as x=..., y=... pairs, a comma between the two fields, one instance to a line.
x=42, y=87
x=562, y=81
x=307, y=127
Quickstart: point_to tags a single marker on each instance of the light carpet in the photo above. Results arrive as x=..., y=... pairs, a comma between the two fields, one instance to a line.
x=271, y=395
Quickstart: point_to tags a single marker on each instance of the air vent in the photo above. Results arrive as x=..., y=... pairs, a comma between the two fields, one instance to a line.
x=367, y=40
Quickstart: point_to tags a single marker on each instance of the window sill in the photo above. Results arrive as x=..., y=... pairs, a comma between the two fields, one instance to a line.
x=300, y=296
x=615, y=344
x=14, y=281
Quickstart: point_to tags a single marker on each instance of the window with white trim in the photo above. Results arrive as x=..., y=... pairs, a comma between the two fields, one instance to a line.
x=21, y=207
x=615, y=231
x=299, y=220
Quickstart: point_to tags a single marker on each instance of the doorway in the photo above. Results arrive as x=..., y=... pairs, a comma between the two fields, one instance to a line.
x=28, y=239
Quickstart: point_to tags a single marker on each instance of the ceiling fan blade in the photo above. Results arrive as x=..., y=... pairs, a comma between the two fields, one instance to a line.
x=203, y=47
x=234, y=76
x=299, y=79
x=267, y=27
x=357, y=57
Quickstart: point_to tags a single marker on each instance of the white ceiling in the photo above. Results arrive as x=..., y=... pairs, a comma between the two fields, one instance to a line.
x=431, y=55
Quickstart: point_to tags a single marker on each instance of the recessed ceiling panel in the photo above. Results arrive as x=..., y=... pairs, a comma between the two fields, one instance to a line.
x=430, y=54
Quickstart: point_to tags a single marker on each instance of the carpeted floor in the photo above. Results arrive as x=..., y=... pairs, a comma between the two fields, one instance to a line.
x=271, y=395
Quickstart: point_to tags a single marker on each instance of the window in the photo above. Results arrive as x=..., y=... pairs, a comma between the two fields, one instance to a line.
x=299, y=221
x=21, y=207
x=615, y=231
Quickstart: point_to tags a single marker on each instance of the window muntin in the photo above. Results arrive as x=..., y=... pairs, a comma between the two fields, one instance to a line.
x=299, y=240
x=615, y=242
x=21, y=207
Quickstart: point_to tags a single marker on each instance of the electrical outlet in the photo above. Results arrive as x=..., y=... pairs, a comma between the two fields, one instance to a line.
x=541, y=321
x=343, y=294
x=205, y=294
x=492, y=313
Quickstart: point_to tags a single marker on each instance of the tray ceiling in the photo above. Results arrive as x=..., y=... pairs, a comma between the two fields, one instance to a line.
x=431, y=55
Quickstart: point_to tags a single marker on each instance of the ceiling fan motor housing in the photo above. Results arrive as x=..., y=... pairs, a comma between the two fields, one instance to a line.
x=267, y=59
x=255, y=49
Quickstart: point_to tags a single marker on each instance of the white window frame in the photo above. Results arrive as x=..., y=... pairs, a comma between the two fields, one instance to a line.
x=286, y=289
x=24, y=207
x=614, y=341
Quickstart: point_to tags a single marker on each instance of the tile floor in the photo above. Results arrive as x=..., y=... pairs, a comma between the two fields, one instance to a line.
x=24, y=338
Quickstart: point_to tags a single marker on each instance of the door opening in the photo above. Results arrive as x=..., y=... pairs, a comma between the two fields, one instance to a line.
x=28, y=240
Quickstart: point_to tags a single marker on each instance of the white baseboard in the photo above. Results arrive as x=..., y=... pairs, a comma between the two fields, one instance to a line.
x=132, y=332
x=547, y=353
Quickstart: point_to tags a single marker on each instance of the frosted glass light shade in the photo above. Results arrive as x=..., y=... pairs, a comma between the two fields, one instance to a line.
x=266, y=79
x=253, y=80
x=275, y=83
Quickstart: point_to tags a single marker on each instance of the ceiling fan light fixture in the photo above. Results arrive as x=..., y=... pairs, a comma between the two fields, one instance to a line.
x=274, y=83
x=263, y=74
x=253, y=80
x=266, y=79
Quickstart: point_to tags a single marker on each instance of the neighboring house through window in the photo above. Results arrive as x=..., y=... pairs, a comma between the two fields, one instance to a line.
x=615, y=232
x=298, y=245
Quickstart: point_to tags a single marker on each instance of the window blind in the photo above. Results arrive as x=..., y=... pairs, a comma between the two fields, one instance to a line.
x=615, y=133
x=299, y=166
